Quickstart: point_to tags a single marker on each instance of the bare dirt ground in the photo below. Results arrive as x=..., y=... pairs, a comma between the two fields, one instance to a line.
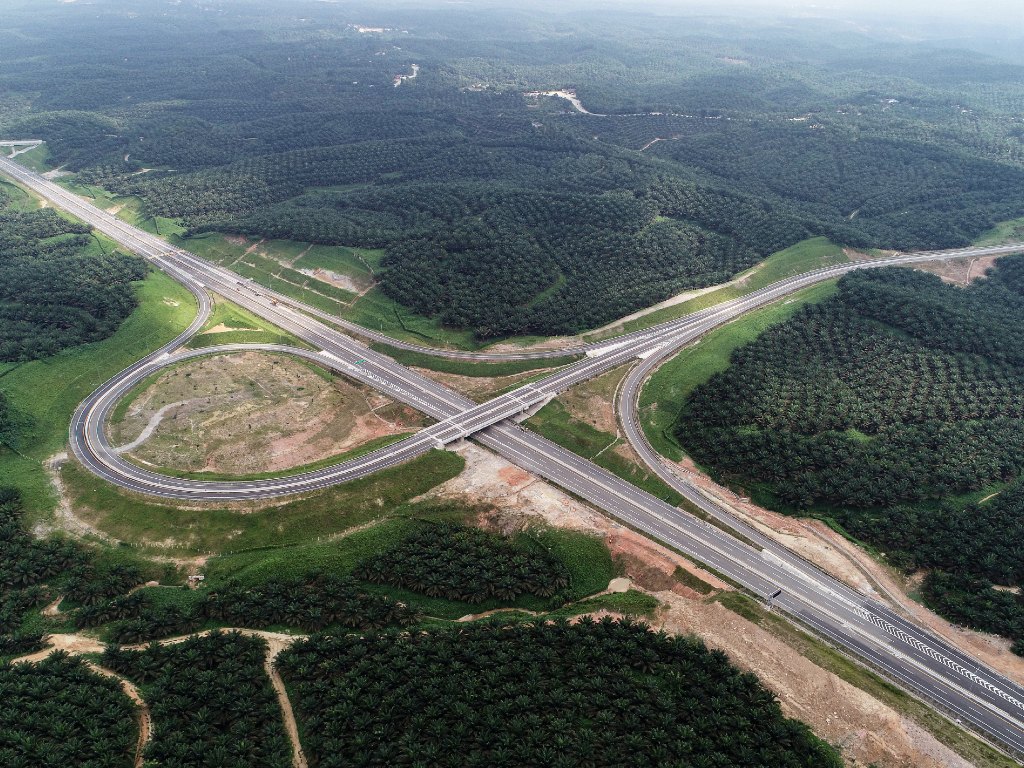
x=592, y=401
x=337, y=280
x=552, y=342
x=959, y=271
x=275, y=644
x=679, y=298
x=956, y=271
x=866, y=730
x=252, y=412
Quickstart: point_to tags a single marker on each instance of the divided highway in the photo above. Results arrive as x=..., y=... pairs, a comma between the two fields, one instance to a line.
x=861, y=625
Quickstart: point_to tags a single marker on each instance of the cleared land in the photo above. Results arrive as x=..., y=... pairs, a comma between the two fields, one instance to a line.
x=250, y=413
x=335, y=279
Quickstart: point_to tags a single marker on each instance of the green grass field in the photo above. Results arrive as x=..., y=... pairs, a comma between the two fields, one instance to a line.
x=245, y=328
x=37, y=159
x=16, y=197
x=46, y=392
x=1004, y=232
x=554, y=422
x=128, y=209
x=664, y=393
x=157, y=528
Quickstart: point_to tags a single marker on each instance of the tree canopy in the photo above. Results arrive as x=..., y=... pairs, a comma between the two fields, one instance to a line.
x=885, y=407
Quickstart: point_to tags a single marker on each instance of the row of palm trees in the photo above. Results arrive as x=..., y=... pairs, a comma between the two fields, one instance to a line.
x=838, y=407
x=467, y=564
x=25, y=564
x=589, y=693
x=58, y=713
x=884, y=404
x=311, y=603
x=211, y=701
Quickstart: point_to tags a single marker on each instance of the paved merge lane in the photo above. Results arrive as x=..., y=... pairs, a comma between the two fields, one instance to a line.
x=903, y=651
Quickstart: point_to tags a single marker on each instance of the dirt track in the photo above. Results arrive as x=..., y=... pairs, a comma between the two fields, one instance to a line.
x=276, y=642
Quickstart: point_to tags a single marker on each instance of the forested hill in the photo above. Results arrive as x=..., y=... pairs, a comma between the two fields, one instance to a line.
x=896, y=408
x=58, y=288
x=505, y=212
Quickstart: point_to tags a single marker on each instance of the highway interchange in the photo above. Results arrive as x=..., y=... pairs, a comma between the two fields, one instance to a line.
x=919, y=660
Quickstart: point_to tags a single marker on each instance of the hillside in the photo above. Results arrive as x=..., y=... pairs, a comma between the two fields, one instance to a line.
x=498, y=209
x=896, y=409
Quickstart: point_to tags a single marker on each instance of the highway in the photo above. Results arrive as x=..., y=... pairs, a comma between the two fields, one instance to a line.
x=904, y=652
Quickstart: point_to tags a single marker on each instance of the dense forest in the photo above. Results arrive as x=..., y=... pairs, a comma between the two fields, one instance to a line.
x=59, y=713
x=709, y=146
x=53, y=293
x=212, y=704
x=893, y=408
x=552, y=694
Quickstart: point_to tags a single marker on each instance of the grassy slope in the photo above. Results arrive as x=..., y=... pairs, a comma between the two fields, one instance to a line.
x=246, y=328
x=557, y=424
x=667, y=389
x=37, y=159
x=149, y=525
x=1006, y=231
x=46, y=392
x=470, y=368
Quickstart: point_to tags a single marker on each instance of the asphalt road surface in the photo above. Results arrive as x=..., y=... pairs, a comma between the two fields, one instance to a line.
x=855, y=622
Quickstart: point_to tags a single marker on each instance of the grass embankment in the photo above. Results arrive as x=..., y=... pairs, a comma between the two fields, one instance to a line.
x=665, y=392
x=975, y=751
x=36, y=159
x=471, y=368
x=129, y=209
x=558, y=422
x=231, y=324
x=16, y=197
x=278, y=264
x=799, y=258
x=46, y=392
x=162, y=529
x=327, y=461
x=1003, y=232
